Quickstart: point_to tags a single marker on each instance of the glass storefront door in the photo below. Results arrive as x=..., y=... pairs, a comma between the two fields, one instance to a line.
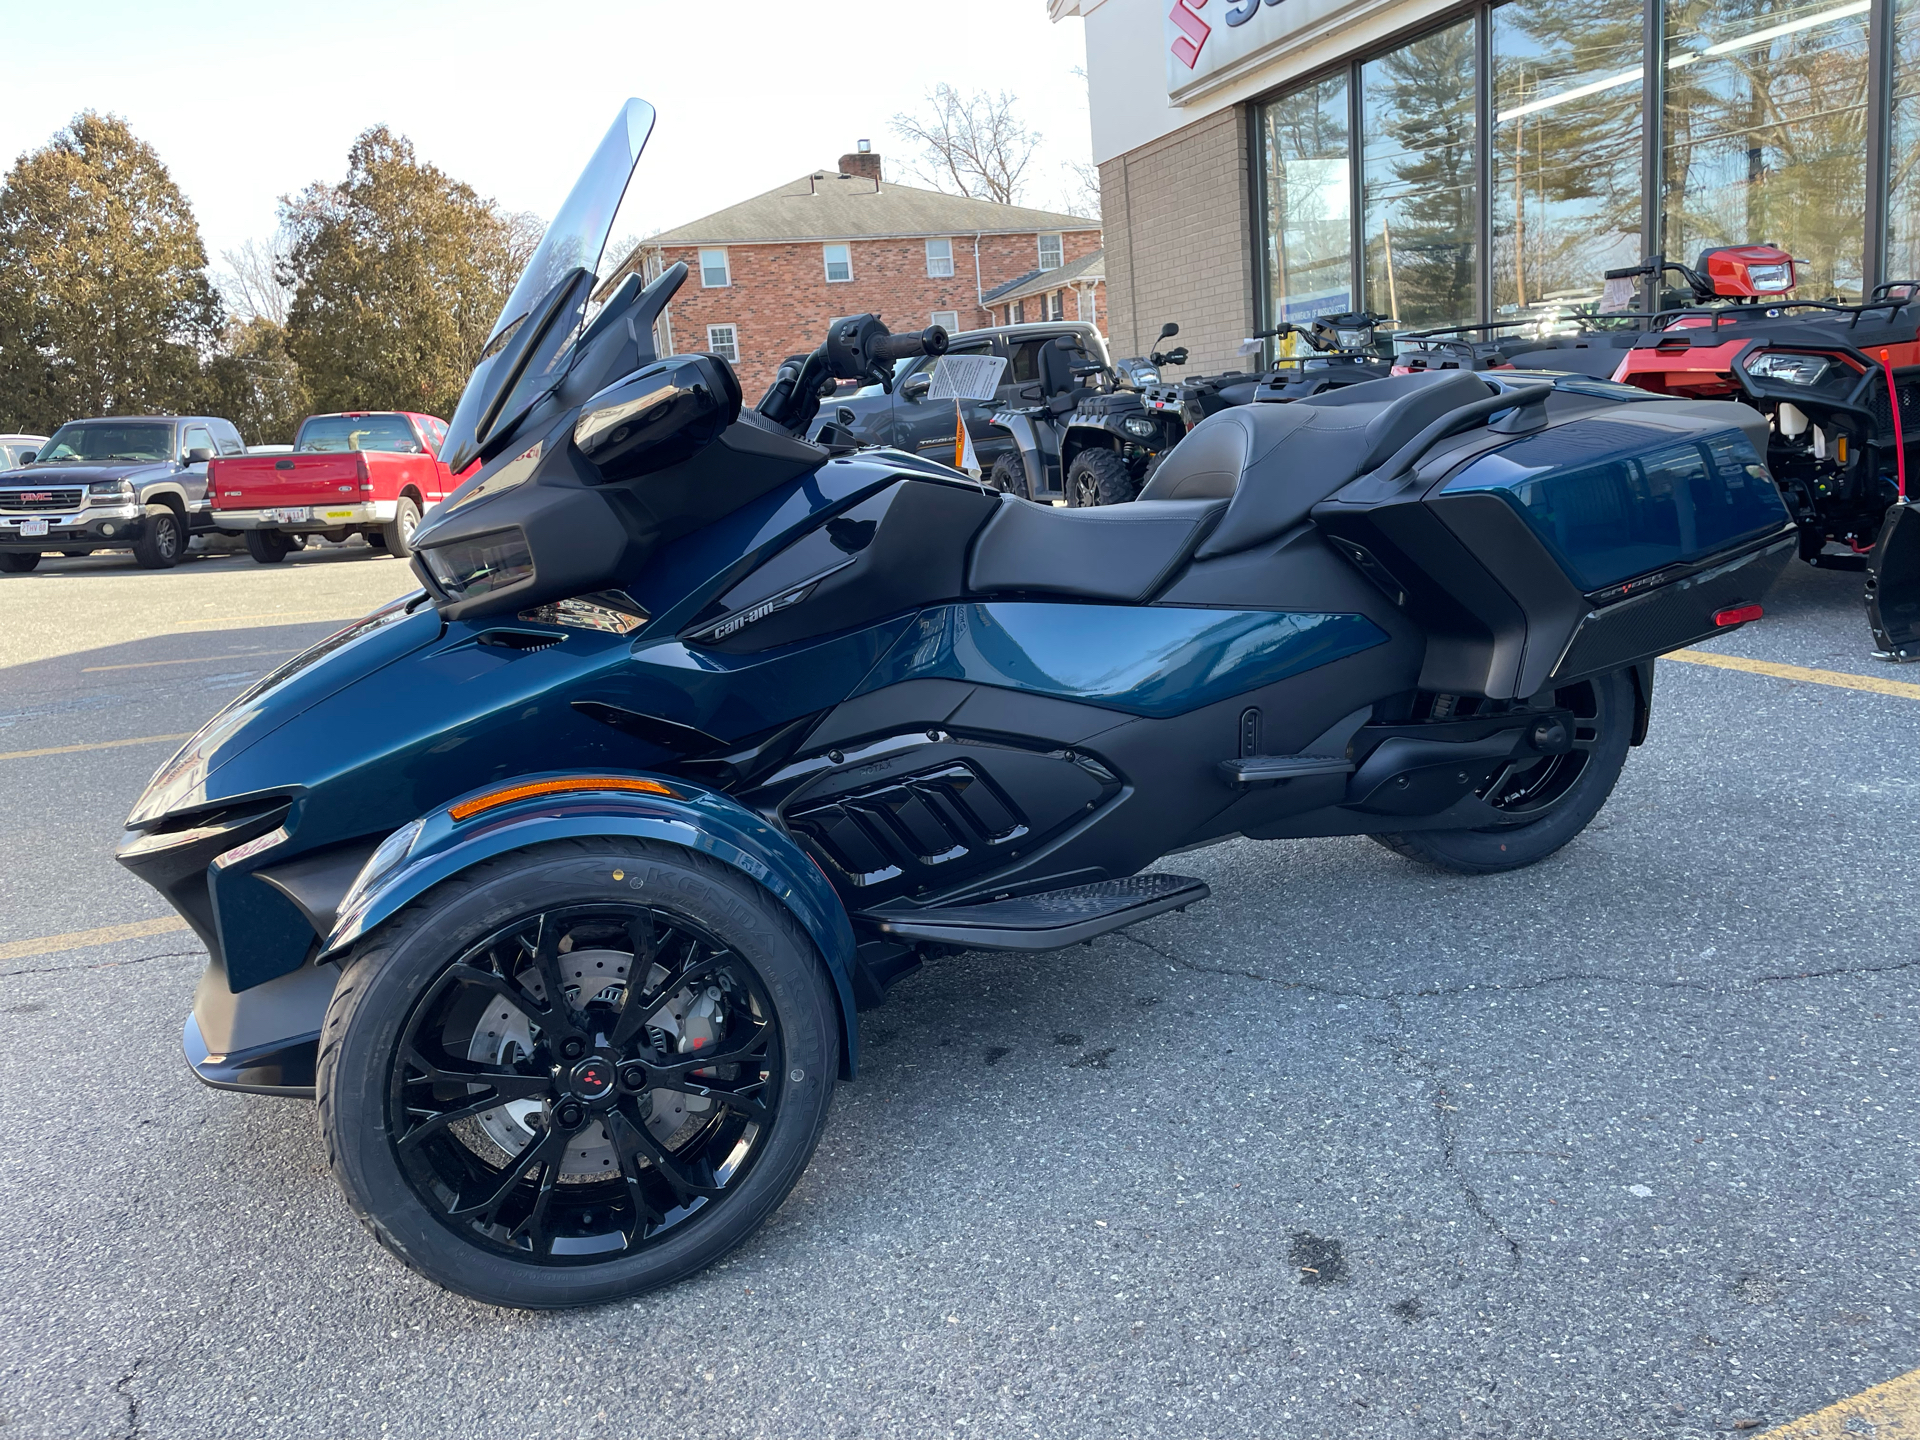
x=1903, y=147
x=1419, y=190
x=1766, y=133
x=1566, y=150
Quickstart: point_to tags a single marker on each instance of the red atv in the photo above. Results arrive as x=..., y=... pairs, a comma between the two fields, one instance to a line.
x=1841, y=386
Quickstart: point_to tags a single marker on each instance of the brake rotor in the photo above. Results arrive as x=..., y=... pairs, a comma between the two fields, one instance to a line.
x=505, y=1035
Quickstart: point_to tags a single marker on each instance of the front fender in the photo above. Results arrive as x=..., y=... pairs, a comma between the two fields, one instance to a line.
x=690, y=816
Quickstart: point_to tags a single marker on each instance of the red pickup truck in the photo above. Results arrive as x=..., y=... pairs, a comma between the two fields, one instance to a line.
x=361, y=472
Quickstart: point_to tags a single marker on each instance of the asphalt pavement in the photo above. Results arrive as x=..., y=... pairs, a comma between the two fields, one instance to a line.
x=1623, y=1145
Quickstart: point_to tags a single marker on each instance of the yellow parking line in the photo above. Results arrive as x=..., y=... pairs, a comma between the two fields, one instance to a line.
x=190, y=660
x=80, y=939
x=1886, y=1412
x=1872, y=684
x=78, y=749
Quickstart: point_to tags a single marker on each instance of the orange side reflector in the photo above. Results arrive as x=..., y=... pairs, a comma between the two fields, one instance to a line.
x=494, y=799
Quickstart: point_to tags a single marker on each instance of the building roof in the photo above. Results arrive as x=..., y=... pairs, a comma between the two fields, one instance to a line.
x=1086, y=269
x=827, y=205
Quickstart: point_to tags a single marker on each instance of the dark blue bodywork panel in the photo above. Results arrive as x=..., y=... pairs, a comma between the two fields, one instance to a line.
x=1156, y=662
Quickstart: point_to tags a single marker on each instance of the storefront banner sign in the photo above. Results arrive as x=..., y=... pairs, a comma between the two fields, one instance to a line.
x=1206, y=37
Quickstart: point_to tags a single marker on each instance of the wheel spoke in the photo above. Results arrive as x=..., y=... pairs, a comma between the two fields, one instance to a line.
x=751, y=1106
x=744, y=1050
x=665, y=1164
x=507, y=1084
x=546, y=960
x=507, y=1179
x=498, y=984
x=534, y=1224
x=626, y=1145
x=692, y=973
x=645, y=938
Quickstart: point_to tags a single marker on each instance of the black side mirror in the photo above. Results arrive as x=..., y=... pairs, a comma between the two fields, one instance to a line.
x=27, y=457
x=1167, y=332
x=657, y=416
x=199, y=455
x=916, y=385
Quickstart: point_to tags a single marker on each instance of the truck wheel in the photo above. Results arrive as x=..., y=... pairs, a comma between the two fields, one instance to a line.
x=1100, y=477
x=576, y=1072
x=398, y=533
x=269, y=547
x=75, y=554
x=14, y=562
x=1009, y=476
x=1547, y=800
x=162, y=542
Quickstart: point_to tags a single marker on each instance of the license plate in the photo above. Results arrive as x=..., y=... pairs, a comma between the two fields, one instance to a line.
x=339, y=514
x=33, y=527
x=292, y=515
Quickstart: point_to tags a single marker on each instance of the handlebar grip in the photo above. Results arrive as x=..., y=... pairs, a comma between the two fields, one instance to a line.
x=930, y=341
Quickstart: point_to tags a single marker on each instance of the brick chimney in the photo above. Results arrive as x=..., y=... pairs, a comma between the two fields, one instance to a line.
x=862, y=162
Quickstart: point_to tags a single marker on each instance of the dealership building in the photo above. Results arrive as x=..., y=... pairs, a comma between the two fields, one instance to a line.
x=1445, y=163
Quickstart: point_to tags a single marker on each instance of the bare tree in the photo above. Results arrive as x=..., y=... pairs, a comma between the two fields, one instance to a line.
x=970, y=144
x=1082, y=186
x=251, y=284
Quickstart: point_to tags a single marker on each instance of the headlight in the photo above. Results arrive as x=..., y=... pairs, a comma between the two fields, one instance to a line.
x=467, y=569
x=1353, y=339
x=1138, y=425
x=1793, y=369
x=1770, y=277
x=118, y=489
x=1145, y=375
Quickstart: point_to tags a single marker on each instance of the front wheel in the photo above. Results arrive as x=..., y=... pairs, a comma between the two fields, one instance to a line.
x=15, y=562
x=1100, y=477
x=577, y=1072
x=1544, y=801
x=163, y=540
x=1009, y=476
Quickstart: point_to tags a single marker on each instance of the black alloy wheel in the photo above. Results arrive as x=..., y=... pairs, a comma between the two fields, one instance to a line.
x=1542, y=801
x=17, y=562
x=607, y=1087
x=1009, y=476
x=163, y=540
x=1100, y=477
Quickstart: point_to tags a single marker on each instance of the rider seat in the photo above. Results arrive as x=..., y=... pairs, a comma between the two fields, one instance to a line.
x=1274, y=463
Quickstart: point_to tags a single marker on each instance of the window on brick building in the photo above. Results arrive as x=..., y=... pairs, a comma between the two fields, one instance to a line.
x=724, y=341
x=1057, y=305
x=839, y=262
x=948, y=320
x=1017, y=313
x=939, y=259
x=713, y=269
x=1050, y=253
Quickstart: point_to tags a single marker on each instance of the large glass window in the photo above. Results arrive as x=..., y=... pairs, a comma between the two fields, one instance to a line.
x=1418, y=183
x=1903, y=147
x=1309, y=217
x=1766, y=133
x=1566, y=149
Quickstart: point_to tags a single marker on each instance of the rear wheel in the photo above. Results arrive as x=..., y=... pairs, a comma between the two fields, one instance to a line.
x=1546, y=800
x=163, y=540
x=577, y=1072
x=14, y=562
x=397, y=534
x=1009, y=476
x=269, y=547
x=1100, y=477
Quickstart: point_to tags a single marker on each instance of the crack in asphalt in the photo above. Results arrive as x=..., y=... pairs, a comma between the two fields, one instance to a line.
x=99, y=964
x=1439, y=1102
x=120, y=1388
x=1577, y=977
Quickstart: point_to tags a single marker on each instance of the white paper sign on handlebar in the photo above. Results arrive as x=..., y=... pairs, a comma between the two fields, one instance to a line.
x=966, y=377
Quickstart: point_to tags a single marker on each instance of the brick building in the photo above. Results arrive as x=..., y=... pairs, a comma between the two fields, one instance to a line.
x=1075, y=291
x=770, y=272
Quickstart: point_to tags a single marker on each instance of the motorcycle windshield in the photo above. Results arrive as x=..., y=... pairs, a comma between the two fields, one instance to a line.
x=528, y=348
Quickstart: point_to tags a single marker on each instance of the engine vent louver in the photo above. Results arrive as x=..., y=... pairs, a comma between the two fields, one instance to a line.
x=911, y=825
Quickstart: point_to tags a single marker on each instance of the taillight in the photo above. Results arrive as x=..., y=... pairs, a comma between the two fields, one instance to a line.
x=366, y=475
x=1738, y=615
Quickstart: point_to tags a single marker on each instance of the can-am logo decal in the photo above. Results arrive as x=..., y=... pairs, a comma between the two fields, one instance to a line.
x=1194, y=31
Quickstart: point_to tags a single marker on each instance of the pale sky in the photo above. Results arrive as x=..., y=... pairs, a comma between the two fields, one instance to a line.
x=246, y=102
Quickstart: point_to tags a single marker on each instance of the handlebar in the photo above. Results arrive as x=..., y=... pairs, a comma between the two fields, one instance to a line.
x=930, y=341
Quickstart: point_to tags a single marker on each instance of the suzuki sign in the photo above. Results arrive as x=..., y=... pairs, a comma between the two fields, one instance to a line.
x=1213, y=41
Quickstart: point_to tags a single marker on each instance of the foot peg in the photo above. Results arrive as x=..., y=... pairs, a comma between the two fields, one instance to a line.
x=1050, y=920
